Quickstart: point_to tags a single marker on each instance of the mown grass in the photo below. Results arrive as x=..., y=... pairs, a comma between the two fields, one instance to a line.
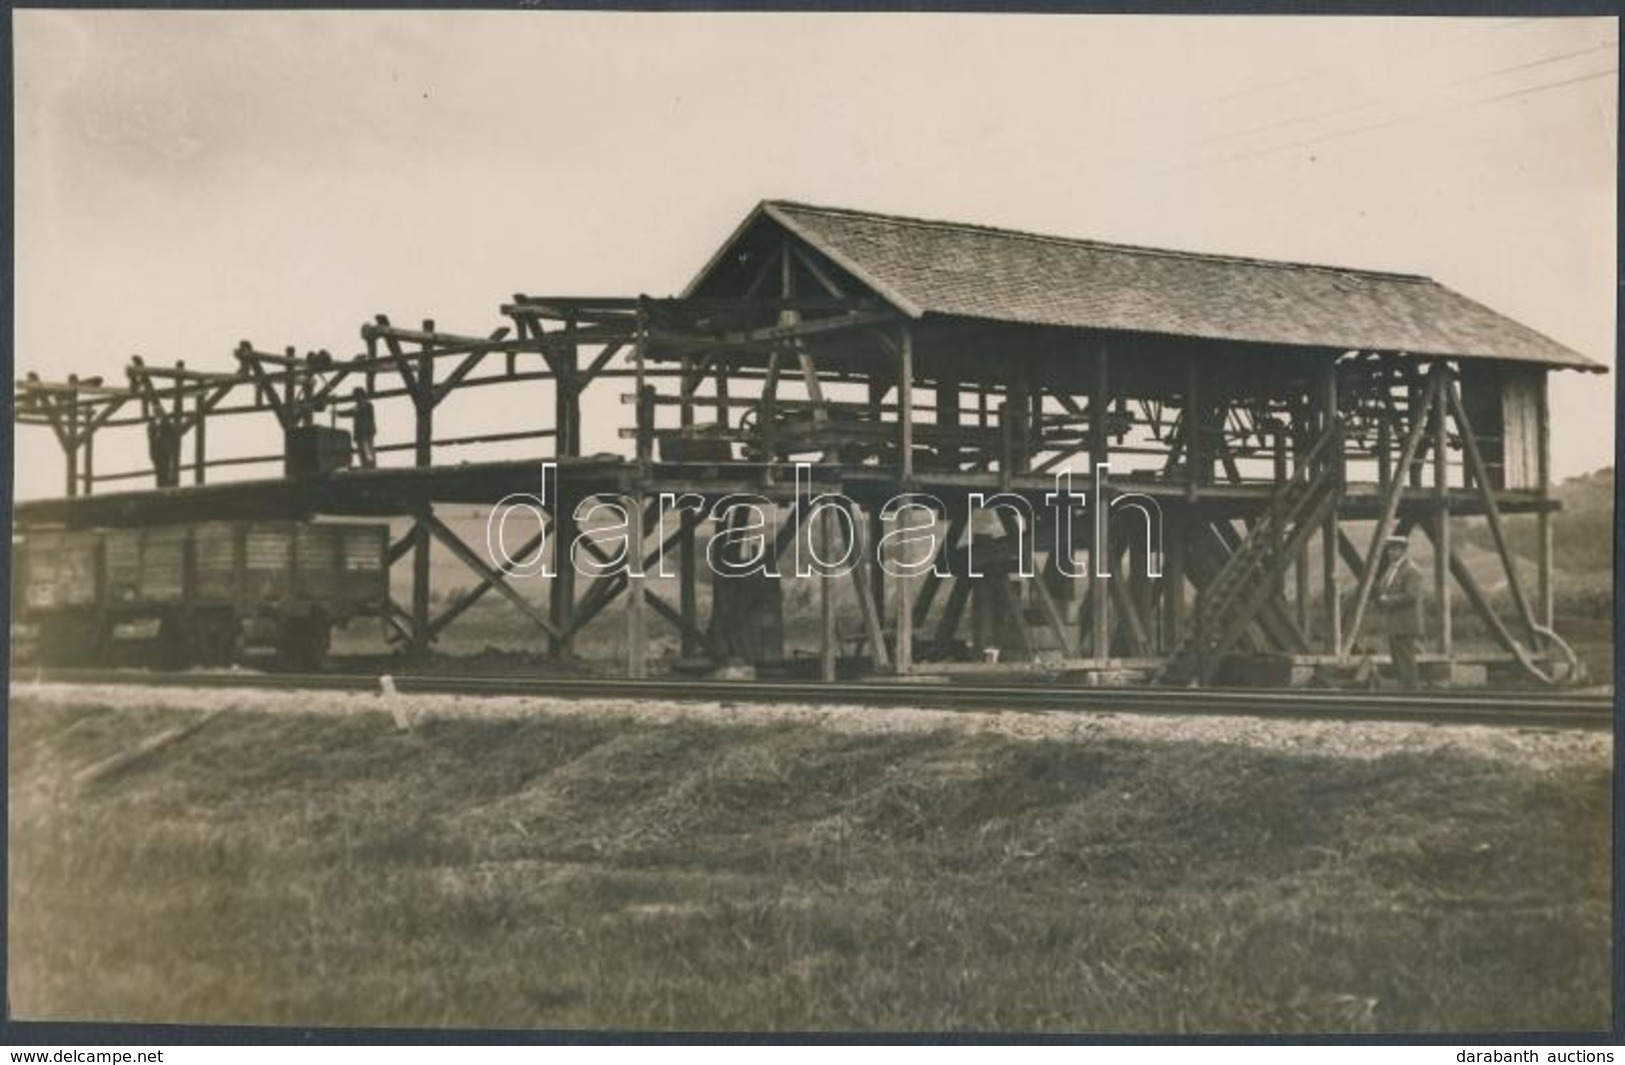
x=562, y=873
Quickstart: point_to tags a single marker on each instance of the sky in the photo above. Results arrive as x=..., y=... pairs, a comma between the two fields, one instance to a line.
x=187, y=180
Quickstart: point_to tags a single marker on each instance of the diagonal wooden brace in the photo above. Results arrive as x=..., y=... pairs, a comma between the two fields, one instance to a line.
x=495, y=579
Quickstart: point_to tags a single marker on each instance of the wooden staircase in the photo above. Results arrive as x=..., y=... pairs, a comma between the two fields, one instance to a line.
x=1252, y=575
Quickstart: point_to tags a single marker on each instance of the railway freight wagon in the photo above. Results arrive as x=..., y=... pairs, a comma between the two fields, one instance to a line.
x=206, y=594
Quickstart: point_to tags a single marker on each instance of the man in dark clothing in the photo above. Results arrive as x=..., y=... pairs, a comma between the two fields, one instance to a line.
x=1399, y=595
x=366, y=428
x=164, y=448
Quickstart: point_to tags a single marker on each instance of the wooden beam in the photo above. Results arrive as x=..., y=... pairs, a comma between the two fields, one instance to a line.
x=562, y=590
x=1441, y=520
x=1139, y=639
x=1046, y=600
x=264, y=386
x=864, y=579
x=1100, y=547
x=423, y=403
x=828, y=648
x=1492, y=511
x=1331, y=609
x=464, y=368
x=826, y=282
x=952, y=612
x=421, y=636
x=931, y=582
x=1390, y=504
x=637, y=637
x=491, y=577
x=1543, y=519
x=687, y=547
x=487, y=582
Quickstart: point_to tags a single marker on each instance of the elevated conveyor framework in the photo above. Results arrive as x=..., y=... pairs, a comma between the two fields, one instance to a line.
x=1271, y=423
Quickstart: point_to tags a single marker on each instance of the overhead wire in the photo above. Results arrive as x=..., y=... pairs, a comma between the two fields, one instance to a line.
x=1299, y=120
x=1426, y=113
x=1322, y=72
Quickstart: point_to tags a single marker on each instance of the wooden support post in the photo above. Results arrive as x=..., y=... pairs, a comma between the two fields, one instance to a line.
x=1331, y=607
x=930, y=584
x=1196, y=453
x=1441, y=520
x=1007, y=445
x=1480, y=603
x=88, y=473
x=603, y=590
x=637, y=637
x=488, y=581
x=645, y=421
x=1385, y=443
x=1173, y=580
x=905, y=406
x=200, y=418
x=1492, y=511
x=1300, y=589
x=828, y=645
x=1420, y=407
x=421, y=634
x=1100, y=550
x=767, y=420
x=566, y=444
x=290, y=392
x=562, y=588
x=903, y=625
x=1017, y=415
x=1098, y=596
x=687, y=560
x=71, y=442
x=1139, y=590
x=1133, y=624
x=903, y=660
x=566, y=397
x=489, y=577
x=1390, y=505
x=1303, y=439
x=948, y=419
x=872, y=572
x=423, y=403
x=1543, y=520
x=866, y=577
x=721, y=394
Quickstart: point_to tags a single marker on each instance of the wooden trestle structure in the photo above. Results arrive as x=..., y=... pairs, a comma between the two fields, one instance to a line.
x=906, y=371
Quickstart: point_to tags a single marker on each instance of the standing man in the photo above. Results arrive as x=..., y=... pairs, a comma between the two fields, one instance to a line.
x=366, y=428
x=164, y=447
x=1399, y=595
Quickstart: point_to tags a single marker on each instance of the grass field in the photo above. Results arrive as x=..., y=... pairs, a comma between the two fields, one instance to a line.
x=569, y=872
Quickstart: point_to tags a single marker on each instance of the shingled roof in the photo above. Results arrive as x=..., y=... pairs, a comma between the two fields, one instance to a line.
x=925, y=267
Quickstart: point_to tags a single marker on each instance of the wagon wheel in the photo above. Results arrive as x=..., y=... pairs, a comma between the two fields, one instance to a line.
x=71, y=642
x=304, y=643
x=220, y=641
x=177, y=644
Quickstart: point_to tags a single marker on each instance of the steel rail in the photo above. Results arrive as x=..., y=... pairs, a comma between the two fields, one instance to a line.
x=1577, y=710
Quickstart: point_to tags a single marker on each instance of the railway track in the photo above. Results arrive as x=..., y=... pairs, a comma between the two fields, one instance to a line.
x=1566, y=710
